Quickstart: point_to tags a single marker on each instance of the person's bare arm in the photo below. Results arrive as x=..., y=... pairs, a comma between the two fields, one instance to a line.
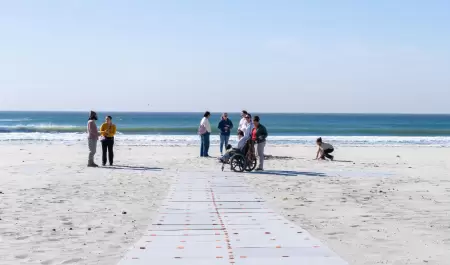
x=318, y=152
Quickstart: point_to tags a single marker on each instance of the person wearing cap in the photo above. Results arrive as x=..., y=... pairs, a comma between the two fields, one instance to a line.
x=92, y=138
x=259, y=135
x=225, y=126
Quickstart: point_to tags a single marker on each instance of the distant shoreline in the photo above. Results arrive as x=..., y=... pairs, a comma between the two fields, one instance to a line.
x=230, y=112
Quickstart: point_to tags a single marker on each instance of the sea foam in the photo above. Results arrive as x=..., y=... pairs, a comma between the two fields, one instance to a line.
x=187, y=140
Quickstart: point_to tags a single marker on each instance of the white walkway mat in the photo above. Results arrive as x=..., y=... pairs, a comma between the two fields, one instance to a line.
x=219, y=220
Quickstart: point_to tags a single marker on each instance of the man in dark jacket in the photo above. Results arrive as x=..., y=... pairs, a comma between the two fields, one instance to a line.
x=225, y=126
x=259, y=135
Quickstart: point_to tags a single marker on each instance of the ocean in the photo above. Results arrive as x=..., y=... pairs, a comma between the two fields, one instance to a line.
x=181, y=128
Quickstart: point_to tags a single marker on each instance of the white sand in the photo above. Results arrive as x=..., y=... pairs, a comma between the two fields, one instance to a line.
x=378, y=209
x=46, y=187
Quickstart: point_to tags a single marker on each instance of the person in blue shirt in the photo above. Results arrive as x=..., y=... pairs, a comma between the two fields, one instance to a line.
x=225, y=127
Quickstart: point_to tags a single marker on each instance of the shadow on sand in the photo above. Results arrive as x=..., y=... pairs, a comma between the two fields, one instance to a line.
x=134, y=168
x=343, y=161
x=289, y=173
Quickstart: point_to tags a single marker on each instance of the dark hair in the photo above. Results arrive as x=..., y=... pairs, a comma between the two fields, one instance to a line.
x=319, y=140
x=241, y=133
x=109, y=117
x=256, y=118
x=249, y=115
x=245, y=112
x=207, y=113
x=93, y=115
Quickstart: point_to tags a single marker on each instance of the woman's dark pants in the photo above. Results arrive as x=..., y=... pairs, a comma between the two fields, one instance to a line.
x=107, y=146
x=326, y=153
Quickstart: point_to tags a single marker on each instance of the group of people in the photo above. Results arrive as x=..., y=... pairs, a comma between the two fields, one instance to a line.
x=248, y=130
x=106, y=136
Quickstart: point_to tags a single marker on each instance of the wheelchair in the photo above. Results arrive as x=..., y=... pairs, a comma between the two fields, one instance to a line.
x=244, y=160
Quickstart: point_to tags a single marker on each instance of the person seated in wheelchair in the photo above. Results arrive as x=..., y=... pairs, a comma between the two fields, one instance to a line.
x=239, y=148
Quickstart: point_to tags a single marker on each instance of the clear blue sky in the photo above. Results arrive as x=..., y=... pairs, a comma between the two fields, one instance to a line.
x=274, y=56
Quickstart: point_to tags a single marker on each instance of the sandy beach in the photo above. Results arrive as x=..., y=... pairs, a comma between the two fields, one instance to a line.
x=375, y=205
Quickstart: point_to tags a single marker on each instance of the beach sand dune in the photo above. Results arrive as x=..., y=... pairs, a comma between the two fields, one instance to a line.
x=376, y=205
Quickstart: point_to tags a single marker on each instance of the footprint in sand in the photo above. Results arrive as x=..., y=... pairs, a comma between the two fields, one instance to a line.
x=21, y=256
x=335, y=233
x=72, y=261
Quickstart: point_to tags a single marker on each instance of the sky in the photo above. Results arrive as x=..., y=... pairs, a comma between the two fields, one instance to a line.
x=330, y=56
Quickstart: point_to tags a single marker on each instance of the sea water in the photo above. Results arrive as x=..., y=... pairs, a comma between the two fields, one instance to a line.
x=181, y=128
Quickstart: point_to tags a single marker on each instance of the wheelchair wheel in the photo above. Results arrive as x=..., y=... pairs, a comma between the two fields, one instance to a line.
x=237, y=163
x=251, y=164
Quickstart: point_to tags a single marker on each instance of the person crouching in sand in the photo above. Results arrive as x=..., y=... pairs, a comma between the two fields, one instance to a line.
x=325, y=149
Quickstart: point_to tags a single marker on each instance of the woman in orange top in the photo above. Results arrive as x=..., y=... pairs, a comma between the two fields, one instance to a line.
x=108, y=130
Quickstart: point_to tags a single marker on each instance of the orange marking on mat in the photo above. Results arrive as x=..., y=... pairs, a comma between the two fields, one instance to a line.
x=180, y=247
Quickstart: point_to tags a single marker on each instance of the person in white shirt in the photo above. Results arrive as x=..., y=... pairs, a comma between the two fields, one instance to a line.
x=249, y=127
x=205, y=131
x=243, y=122
x=325, y=149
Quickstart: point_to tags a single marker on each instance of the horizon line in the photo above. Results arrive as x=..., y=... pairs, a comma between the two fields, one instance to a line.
x=215, y=112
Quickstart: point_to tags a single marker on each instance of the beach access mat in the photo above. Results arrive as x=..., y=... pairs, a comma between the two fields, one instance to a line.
x=218, y=220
